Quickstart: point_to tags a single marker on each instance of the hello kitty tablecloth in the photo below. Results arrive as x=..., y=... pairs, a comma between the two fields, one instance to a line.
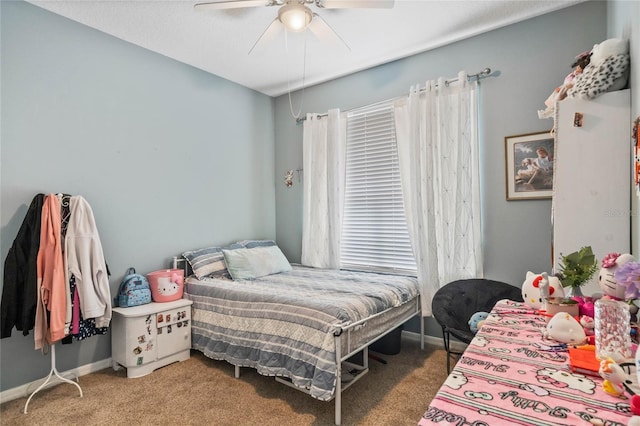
x=508, y=375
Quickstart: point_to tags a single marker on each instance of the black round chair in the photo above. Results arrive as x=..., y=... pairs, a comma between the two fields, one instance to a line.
x=455, y=303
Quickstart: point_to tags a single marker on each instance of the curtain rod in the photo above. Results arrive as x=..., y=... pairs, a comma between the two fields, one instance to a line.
x=478, y=76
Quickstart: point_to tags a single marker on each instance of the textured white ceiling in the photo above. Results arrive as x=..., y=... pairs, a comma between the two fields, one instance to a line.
x=218, y=41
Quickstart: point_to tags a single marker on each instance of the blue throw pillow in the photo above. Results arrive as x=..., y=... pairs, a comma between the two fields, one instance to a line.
x=249, y=264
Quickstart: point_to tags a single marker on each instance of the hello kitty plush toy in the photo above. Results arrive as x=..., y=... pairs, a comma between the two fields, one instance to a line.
x=606, y=279
x=565, y=329
x=535, y=284
x=617, y=381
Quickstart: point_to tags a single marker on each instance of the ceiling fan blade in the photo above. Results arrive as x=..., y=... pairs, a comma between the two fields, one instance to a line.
x=356, y=4
x=269, y=34
x=323, y=31
x=233, y=4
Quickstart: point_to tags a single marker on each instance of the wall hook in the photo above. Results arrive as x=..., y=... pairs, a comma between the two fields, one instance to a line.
x=288, y=179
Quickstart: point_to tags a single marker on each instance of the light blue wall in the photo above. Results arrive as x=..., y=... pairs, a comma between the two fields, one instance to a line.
x=533, y=57
x=146, y=139
x=169, y=157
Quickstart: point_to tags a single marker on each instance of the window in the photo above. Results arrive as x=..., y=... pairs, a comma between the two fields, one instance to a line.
x=374, y=230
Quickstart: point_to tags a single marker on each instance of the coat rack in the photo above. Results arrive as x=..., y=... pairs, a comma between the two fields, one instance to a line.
x=48, y=379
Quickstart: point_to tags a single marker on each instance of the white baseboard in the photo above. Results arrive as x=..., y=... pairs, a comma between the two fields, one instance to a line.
x=434, y=341
x=26, y=389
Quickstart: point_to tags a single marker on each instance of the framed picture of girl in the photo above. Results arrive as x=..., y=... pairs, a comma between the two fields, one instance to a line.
x=529, y=166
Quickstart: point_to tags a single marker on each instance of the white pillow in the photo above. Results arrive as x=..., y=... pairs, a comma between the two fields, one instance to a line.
x=249, y=264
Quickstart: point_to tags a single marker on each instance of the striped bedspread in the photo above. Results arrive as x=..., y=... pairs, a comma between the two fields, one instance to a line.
x=284, y=324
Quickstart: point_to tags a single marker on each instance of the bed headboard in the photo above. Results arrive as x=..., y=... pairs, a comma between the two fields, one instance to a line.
x=180, y=262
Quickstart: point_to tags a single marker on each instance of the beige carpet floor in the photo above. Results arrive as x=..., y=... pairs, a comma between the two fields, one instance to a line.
x=204, y=391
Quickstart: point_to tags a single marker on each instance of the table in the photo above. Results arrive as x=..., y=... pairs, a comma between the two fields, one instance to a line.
x=509, y=375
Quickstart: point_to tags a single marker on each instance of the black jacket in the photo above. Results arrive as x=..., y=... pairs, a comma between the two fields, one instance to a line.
x=19, y=289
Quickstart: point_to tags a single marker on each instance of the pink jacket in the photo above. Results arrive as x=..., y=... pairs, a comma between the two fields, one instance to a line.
x=52, y=285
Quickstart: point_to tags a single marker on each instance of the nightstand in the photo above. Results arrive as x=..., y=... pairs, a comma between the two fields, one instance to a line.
x=147, y=337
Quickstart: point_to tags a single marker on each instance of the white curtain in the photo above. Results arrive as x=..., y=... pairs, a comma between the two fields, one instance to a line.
x=437, y=137
x=324, y=152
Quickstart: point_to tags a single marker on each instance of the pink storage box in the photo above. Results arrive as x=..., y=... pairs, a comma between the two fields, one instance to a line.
x=166, y=285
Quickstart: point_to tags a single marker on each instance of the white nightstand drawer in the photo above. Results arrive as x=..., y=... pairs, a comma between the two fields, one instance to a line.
x=180, y=316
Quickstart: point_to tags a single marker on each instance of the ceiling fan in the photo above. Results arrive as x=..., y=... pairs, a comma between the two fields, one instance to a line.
x=296, y=16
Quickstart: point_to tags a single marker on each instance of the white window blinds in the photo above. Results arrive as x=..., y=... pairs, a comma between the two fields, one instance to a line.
x=374, y=230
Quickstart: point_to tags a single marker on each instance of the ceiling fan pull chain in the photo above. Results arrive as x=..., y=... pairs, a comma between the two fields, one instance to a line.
x=286, y=41
x=304, y=72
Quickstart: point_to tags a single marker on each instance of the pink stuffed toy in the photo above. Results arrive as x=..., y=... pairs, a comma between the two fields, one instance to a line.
x=586, y=305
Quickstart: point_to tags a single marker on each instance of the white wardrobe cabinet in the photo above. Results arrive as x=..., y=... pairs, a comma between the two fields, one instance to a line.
x=592, y=177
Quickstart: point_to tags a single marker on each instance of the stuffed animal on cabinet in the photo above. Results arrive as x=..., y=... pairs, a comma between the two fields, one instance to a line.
x=608, y=70
x=560, y=92
x=604, y=69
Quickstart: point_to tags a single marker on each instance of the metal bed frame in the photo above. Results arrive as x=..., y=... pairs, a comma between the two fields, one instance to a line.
x=346, y=335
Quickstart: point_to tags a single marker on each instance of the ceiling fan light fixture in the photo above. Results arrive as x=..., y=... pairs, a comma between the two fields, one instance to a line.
x=295, y=16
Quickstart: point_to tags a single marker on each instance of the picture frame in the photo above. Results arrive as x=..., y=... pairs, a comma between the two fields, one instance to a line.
x=529, y=166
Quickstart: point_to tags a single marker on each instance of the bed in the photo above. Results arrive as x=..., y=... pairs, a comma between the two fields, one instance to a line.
x=299, y=324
